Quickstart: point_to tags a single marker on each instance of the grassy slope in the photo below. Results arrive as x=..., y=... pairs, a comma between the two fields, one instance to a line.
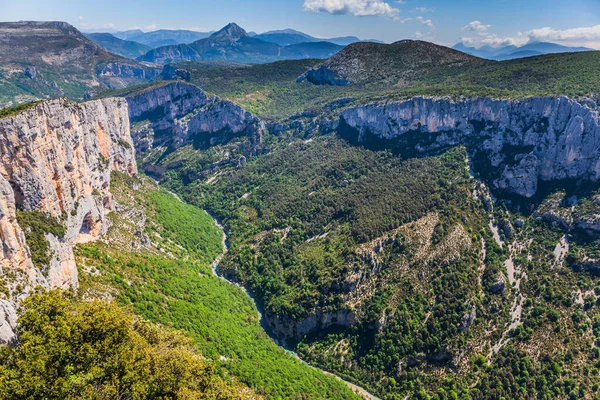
x=271, y=90
x=181, y=291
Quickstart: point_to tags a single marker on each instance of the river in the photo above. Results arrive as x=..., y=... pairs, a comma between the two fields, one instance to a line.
x=215, y=268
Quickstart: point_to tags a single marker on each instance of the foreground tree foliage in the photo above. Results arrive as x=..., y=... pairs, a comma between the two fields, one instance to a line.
x=96, y=350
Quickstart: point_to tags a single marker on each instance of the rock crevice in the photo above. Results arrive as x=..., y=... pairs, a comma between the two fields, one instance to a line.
x=57, y=158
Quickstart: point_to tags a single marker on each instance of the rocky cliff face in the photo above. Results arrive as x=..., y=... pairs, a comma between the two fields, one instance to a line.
x=57, y=158
x=515, y=143
x=112, y=70
x=176, y=114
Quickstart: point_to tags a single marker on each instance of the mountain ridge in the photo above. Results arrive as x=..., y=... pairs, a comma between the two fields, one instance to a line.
x=233, y=44
x=512, y=52
x=50, y=59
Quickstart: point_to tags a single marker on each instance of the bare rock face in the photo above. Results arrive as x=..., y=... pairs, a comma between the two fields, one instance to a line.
x=57, y=158
x=290, y=329
x=176, y=114
x=518, y=143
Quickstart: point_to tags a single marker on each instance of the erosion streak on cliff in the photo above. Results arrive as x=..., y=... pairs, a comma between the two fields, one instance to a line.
x=57, y=158
x=176, y=114
x=521, y=142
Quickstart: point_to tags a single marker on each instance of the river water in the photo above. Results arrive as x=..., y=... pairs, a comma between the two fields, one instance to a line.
x=215, y=269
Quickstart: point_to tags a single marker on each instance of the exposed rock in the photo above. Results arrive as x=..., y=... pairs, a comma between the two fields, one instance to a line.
x=500, y=285
x=8, y=322
x=172, y=73
x=518, y=143
x=297, y=329
x=468, y=319
x=57, y=157
x=551, y=211
x=176, y=114
x=123, y=70
x=323, y=75
x=242, y=162
x=31, y=72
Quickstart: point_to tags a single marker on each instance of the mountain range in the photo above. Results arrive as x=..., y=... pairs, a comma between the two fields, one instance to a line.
x=288, y=37
x=162, y=37
x=122, y=47
x=234, y=44
x=511, y=52
x=49, y=59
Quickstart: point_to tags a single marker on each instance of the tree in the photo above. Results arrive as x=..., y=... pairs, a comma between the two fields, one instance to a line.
x=96, y=350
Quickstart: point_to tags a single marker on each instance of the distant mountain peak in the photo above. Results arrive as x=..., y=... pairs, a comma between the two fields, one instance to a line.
x=232, y=30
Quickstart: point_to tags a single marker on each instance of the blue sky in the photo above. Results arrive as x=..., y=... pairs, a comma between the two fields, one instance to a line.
x=477, y=22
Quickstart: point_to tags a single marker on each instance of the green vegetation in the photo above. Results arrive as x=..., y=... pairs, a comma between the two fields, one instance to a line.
x=14, y=110
x=184, y=225
x=271, y=90
x=166, y=283
x=299, y=220
x=35, y=225
x=319, y=226
x=96, y=350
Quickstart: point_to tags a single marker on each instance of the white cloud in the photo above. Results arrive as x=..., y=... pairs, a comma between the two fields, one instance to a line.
x=497, y=41
x=476, y=26
x=427, y=22
x=585, y=34
x=422, y=10
x=359, y=8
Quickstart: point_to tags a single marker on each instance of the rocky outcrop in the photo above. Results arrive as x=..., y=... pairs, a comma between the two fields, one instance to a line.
x=516, y=143
x=177, y=114
x=123, y=70
x=289, y=329
x=57, y=158
x=171, y=73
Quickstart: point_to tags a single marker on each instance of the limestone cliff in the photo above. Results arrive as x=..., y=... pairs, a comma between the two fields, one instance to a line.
x=517, y=143
x=170, y=116
x=57, y=157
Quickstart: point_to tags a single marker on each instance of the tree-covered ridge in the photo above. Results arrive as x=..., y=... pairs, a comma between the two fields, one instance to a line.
x=272, y=92
x=149, y=268
x=72, y=349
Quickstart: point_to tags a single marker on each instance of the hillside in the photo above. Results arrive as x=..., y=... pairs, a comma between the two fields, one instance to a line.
x=113, y=44
x=49, y=59
x=271, y=89
x=397, y=63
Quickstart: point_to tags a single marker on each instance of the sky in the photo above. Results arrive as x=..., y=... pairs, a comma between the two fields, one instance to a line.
x=474, y=22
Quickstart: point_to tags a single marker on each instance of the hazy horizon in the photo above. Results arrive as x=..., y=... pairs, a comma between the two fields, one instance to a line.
x=496, y=23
